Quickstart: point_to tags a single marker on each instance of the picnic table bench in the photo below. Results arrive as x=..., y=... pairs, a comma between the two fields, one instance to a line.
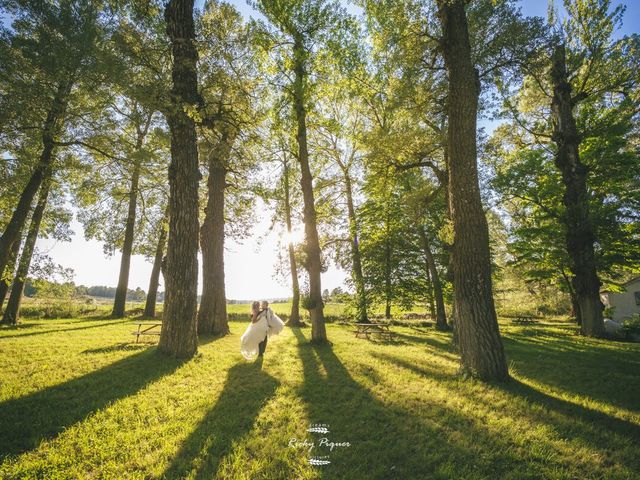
x=522, y=318
x=367, y=329
x=147, y=328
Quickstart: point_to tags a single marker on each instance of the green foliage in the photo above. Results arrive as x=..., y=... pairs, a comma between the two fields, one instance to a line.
x=605, y=88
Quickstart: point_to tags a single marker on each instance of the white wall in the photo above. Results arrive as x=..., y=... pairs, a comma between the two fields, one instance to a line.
x=623, y=302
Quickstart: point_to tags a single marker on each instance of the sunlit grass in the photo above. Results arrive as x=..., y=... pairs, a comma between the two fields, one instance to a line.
x=79, y=400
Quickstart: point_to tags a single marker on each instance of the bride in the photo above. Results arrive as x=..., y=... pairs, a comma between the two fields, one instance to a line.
x=264, y=324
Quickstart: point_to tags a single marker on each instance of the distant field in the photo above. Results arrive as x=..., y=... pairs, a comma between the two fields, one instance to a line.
x=51, y=308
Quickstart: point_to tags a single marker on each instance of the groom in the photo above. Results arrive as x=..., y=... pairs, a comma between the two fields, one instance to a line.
x=264, y=307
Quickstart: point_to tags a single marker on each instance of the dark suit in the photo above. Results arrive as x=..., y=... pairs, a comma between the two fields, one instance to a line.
x=262, y=346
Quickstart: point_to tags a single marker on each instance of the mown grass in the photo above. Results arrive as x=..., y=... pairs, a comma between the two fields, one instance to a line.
x=79, y=400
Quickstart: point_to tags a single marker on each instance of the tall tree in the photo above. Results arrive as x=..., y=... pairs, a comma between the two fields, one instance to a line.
x=12, y=312
x=179, y=335
x=56, y=47
x=481, y=349
x=571, y=136
x=228, y=77
x=141, y=130
x=304, y=22
x=154, y=279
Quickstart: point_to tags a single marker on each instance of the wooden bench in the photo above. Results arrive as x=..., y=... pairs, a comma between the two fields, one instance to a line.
x=147, y=328
x=522, y=319
x=368, y=329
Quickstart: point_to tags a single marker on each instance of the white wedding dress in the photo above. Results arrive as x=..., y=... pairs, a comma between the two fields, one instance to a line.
x=268, y=324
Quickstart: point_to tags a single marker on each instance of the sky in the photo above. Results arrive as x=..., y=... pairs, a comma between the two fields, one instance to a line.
x=249, y=266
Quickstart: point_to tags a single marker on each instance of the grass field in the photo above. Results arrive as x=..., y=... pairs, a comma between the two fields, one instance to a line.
x=79, y=400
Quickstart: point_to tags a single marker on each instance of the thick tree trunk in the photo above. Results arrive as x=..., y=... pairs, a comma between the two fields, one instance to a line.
x=212, y=317
x=179, y=336
x=580, y=235
x=294, y=318
x=481, y=349
x=154, y=280
x=9, y=270
x=358, y=277
x=11, y=314
x=312, y=243
x=441, y=315
x=120, y=300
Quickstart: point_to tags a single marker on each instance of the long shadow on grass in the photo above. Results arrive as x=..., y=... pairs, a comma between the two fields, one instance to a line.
x=387, y=441
x=26, y=421
x=610, y=375
x=246, y=390
x=59, y=330
x=589, y=427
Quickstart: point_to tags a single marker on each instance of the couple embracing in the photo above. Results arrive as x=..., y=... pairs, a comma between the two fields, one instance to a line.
x=264, y=324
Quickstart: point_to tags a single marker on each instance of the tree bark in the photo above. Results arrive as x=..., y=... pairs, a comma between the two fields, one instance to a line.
x=575, y=307
x=358, y=277
x=441, y=315
x=50, y=130
x=481, y=348
x=580, y=235
x=120, y=300
x=212, y=317
x=179, y=337
x=387, y=268
x=312, y=243
x=11, y=314
x=294, y=318
x=154, y=281
x=9, y=270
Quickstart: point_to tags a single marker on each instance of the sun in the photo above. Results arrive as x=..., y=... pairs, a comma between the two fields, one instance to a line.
x=295, y=237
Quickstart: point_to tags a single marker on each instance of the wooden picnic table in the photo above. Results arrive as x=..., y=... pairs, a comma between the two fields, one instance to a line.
x=367, y=329
x=147, y=328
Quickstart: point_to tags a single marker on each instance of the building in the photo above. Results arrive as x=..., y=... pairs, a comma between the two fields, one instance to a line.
x=624, y=304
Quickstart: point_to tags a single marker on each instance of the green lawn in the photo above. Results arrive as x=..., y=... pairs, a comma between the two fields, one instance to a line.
x=79, y=400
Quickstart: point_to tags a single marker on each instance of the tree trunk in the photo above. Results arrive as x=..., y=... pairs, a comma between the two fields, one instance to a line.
x=9, y=270
x=387, y=269
x=120, y=300
x=51, y=128
x=12, y=313
x=575, y=306
x=441, y=315
x=212, y=317
x=152, y=294
x=179, y=337
x=294, y=318
x=358, y=277
x=481, y=349
x=312, y=244
x=580, y=235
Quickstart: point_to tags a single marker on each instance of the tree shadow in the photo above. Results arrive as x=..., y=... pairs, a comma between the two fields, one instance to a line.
x=247, y=389
x=592, y=426
x=118, y=347
x=26, y=421
x=387, y=440
x=578, y=368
